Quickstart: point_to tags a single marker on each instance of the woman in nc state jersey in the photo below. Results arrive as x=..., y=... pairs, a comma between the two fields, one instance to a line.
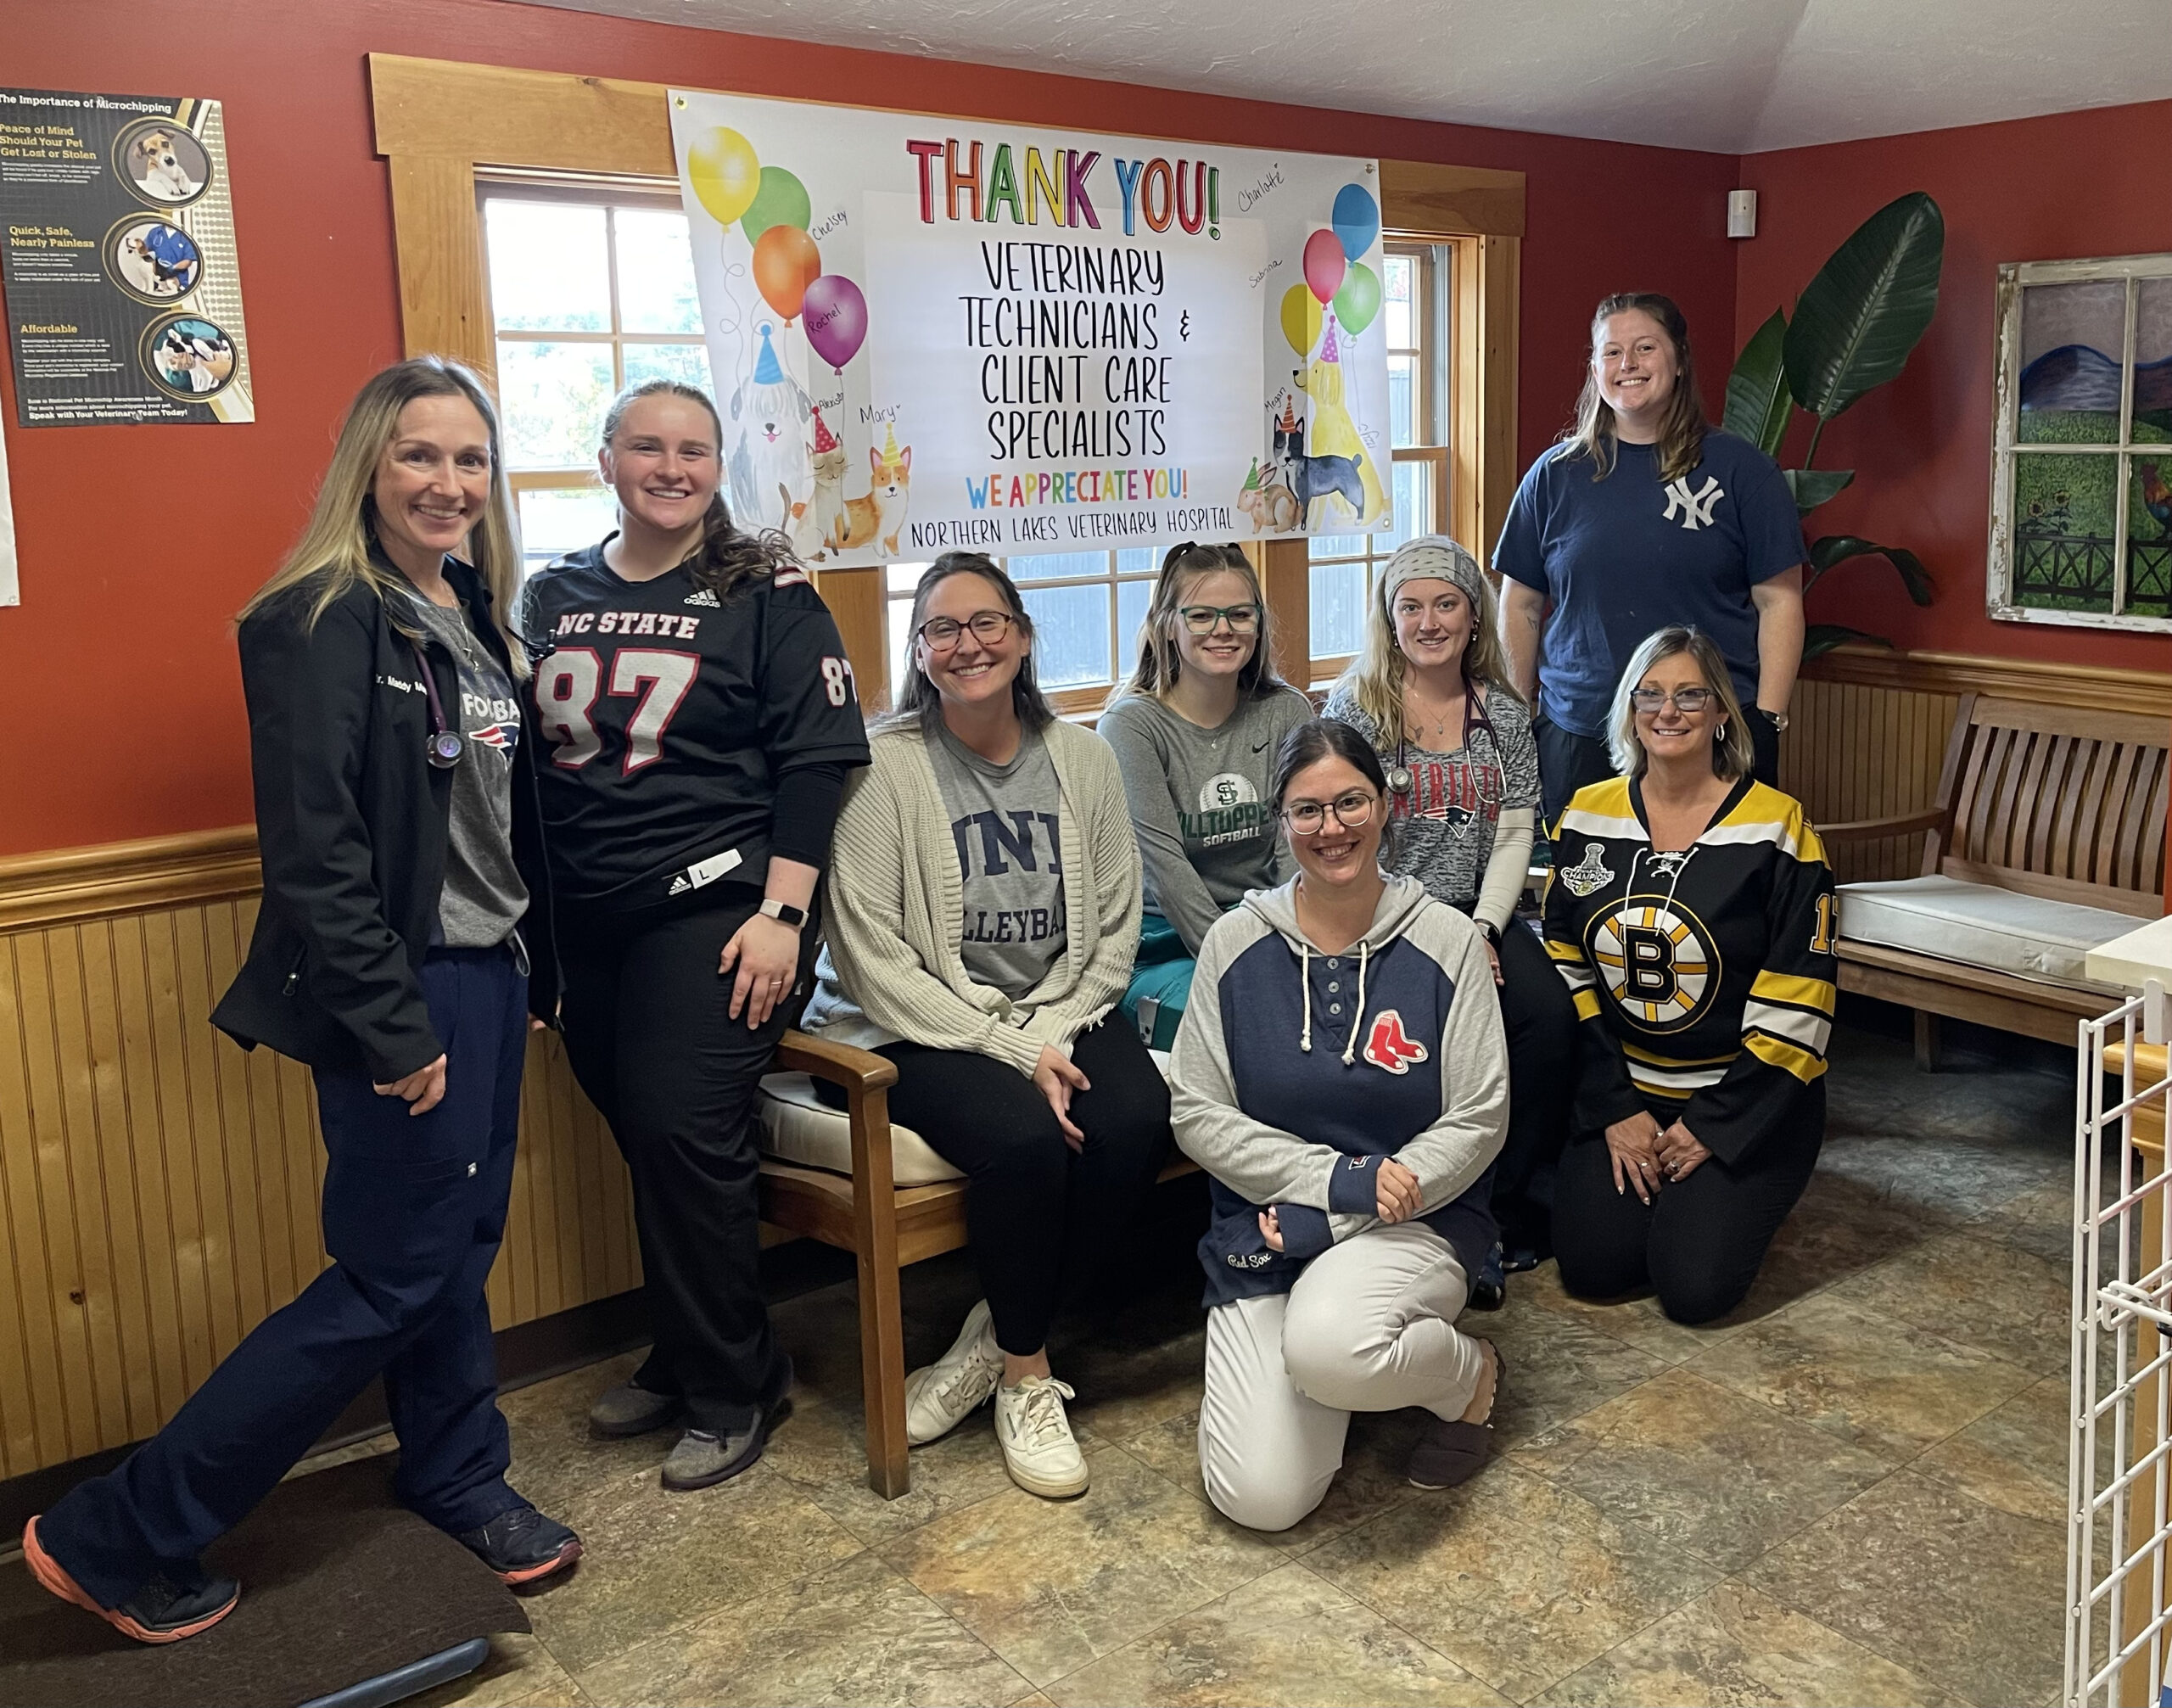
x=1431, y=693
x=1195, y=730
x=984, y=904
x=700, y=719
x=405, y=893
x=1340, y=1073
x=1691, y=912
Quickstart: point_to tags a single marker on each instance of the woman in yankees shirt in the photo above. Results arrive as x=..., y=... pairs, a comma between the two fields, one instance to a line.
x=700, y=719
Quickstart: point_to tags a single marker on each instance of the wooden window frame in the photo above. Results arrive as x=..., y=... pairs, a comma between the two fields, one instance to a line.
x=439, y=123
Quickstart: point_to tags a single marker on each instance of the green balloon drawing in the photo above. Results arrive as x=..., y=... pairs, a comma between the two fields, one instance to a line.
x=1355, y=304
x=782, y=201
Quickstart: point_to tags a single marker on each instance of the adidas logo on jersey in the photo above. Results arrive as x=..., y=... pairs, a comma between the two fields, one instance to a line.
x=700, y=595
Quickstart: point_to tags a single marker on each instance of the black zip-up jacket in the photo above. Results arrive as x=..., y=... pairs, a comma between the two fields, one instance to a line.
x=352, y=822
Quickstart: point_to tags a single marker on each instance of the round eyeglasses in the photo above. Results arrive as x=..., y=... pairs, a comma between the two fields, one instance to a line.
x=940, y=634
x=1353, y=811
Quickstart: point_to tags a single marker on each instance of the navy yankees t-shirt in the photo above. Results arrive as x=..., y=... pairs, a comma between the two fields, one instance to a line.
x=1625, y=556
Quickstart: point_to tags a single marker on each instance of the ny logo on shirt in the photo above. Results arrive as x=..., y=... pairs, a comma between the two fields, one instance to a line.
x=1696, y=507
x=1030, y=841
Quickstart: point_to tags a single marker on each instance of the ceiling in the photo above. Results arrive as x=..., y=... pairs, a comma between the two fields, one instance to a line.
x=1733, y=76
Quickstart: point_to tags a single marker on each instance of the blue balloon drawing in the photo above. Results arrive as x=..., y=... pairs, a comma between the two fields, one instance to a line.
x=1356, y=220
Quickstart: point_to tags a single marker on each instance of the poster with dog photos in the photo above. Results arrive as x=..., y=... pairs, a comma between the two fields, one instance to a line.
x=123, y=289
x=930, y=334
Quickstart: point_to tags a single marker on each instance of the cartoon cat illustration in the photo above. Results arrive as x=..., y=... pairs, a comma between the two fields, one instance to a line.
x=821, y=522
x=881, y=513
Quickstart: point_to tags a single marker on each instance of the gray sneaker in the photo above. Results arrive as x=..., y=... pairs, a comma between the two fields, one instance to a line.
x=702, y=1459
x=628, y=1410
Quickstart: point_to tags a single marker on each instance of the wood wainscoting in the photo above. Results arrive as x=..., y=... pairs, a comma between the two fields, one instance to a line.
x=158, y=1185
x=1869, y=729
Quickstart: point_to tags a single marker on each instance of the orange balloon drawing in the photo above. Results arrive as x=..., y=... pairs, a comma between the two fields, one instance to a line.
x=785, y=263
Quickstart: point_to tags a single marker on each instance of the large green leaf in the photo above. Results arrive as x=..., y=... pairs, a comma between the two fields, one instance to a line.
x=1823, y=638
x=1758, y=399
x=1836, y=549
x=1813, y=486
x=1862, y=314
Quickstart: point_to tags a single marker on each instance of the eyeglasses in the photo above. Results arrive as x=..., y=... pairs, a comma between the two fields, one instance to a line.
x=1200, y=619
x=1686, y=701
x=940, y=634
x=1352, y=811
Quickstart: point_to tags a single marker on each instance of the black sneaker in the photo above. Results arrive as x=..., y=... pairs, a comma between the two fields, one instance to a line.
x=161, y=1611
x=521, y=1545
x=1489, y=1289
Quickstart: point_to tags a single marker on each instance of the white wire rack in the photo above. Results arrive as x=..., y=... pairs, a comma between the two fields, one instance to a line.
x=2119, y=1465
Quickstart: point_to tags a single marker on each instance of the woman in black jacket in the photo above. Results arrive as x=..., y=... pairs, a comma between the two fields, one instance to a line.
x=402, y=941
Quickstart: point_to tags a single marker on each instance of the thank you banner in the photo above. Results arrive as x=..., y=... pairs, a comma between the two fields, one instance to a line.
x=936, y=334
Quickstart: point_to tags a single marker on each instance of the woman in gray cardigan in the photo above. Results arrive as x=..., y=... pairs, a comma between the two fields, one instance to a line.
x=983, y=904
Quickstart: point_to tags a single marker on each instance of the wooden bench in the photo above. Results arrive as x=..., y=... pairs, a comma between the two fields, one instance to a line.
x=884, y=1226
x=2052, y=802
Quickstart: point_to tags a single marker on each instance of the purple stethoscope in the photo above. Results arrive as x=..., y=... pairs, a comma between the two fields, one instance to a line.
x=445, y=744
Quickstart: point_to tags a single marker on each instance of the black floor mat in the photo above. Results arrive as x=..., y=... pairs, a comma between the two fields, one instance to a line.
x=339, y=1583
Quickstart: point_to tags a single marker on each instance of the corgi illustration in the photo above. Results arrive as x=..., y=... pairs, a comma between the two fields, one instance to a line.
x=881, y=513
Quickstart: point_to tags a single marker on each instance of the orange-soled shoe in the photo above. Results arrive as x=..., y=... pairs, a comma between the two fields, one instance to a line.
x=523, y=1546
x=161, y=1611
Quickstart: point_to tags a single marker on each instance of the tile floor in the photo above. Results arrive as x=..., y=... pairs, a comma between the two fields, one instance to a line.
x=1849, y=1492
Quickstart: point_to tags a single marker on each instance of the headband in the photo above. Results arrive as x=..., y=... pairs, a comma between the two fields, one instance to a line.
x=1432, y=558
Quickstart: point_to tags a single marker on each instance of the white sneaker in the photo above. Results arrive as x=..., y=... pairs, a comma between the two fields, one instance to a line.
x=941, y=1395
x=1038, y=1449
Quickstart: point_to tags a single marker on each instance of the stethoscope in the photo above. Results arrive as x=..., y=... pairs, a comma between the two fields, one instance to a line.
x=1402, y=781
x=443, y=748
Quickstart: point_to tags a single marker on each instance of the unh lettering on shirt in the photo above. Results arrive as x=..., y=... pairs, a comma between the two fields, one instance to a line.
x=995, y=847
x=1451, y=788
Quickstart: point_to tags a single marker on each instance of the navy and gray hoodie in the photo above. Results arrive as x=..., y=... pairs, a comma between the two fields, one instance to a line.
x=1296, y=1072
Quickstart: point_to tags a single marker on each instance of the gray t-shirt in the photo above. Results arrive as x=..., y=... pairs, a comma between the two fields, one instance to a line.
x=1444, y=825
x=1198, y=803
x=484, y=898
x=1005, y=821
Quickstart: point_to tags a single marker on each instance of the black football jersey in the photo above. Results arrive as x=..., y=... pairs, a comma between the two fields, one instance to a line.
x=665, y=719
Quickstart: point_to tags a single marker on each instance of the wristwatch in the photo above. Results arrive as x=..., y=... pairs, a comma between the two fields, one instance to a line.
x=1490, y=931
x=793, y=916
x=1777, y=719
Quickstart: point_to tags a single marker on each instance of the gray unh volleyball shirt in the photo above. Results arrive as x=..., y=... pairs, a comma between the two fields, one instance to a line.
x=1003, y=819
x=484, y=898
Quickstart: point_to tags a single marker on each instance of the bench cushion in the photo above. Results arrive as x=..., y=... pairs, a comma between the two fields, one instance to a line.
x=1981, y=925
x=797, y=1127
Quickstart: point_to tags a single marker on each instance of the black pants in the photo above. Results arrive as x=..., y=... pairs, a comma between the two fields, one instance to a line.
x=414, y=1208
x=1040, y=1216
x=651, y=1040
x=1699, y=1242
x=1567, y=761
x=1541, y=1023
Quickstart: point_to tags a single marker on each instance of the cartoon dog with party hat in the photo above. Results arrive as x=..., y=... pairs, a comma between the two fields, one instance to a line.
x=881, y=513
x=771, y=473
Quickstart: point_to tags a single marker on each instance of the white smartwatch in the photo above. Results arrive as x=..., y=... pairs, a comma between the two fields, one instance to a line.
x=795, y=917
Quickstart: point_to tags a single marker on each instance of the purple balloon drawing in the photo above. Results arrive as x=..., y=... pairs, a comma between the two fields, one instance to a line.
x=834, y=319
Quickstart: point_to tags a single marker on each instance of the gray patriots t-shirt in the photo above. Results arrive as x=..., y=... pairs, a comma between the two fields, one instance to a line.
x=1444, y=824
x=1198, y=803
x=1003, y=819
x=484, y=898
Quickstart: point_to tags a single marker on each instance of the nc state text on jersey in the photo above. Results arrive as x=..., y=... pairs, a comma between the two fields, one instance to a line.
x=628, y=622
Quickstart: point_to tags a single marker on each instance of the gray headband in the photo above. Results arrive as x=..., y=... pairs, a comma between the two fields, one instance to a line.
x=1433, y=557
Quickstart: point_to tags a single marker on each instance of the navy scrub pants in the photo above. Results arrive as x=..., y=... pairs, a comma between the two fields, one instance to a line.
x=414, y=1208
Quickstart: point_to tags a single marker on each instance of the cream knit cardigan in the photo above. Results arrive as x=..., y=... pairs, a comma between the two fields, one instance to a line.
x=896, y=910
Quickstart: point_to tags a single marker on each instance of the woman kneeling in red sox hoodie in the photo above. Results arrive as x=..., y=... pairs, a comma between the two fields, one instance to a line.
x=1342, y=1075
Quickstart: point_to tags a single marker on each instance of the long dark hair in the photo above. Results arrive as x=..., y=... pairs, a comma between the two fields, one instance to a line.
x=1682, y=430
x=1160, y=663
x=728, y=556
x=918, y=700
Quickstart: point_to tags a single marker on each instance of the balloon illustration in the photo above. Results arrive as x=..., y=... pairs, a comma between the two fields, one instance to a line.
x=835, y=320
x=1301, y=319
x=785, y=263
x=1356, y=220
x=725, y=174
x=1323, y=264
x=1359, y=299
x=781, y=200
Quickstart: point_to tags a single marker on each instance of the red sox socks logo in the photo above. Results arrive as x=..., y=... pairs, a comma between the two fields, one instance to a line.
x=1389, y=1046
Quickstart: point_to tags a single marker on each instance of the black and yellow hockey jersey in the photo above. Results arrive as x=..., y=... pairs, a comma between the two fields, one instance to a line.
x=1702, y=979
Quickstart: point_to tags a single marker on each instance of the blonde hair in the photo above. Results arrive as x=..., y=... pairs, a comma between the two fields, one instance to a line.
x=1161, y=662
x=1732, y=752
x=334, y=551
x=1683, y=426
x=1376, y=676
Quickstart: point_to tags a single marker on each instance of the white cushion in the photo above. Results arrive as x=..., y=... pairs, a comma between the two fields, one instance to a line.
x=797, y=1127
x=1982, y=926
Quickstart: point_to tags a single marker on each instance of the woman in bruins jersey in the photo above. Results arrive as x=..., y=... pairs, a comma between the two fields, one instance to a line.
x=700, y=719
x=1691, y=912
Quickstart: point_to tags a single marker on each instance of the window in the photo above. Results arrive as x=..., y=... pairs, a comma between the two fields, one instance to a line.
x=1415, y=292
x=590, y=291
x=2081, y=482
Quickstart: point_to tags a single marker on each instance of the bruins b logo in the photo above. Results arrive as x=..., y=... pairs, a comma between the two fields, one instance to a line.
x=1657, y=961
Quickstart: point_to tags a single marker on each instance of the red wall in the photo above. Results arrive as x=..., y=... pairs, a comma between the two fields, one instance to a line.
x=2072, y=185
x=137, y=544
